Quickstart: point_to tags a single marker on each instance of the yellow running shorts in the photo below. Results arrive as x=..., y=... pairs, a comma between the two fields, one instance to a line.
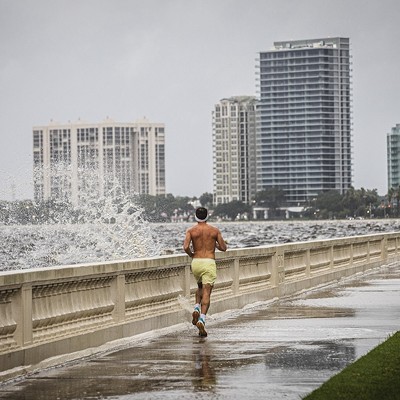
x=204, y=270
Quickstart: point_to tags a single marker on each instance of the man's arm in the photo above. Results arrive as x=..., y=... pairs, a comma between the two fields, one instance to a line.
x=186, y=244
x=220, y=244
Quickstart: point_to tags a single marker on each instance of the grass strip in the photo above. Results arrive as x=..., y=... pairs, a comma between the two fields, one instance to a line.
x=376, y=375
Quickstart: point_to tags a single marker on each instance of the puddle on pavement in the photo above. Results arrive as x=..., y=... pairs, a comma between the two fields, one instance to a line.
x=311, y=356
x=322, y=294
x=290, y=310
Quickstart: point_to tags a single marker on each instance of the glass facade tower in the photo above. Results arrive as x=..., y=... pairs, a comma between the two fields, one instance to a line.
x=393, y=157
x=304, y=144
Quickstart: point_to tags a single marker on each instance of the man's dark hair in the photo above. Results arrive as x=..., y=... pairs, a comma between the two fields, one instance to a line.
x=201, y=214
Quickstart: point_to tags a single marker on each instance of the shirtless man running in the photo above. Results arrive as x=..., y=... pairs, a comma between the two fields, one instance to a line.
x=204, y=239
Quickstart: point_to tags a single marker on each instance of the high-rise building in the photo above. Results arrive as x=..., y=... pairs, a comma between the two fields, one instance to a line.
x=234, y=149
x=70, y=159
x=304, y=131
x=393, y=157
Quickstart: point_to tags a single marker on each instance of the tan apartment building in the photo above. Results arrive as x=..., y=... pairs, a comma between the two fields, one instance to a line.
x=234, y=149
x=71, y=159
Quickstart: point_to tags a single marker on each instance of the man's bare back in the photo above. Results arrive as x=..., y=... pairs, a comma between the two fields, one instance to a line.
x=205, y=239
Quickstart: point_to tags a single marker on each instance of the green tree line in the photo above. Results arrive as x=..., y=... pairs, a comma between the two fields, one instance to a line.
x=355, y=203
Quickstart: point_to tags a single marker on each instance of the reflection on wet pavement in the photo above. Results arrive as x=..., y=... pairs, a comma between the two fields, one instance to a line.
x=274, y=350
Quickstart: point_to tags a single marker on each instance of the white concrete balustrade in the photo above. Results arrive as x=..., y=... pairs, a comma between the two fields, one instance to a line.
x=61, y=310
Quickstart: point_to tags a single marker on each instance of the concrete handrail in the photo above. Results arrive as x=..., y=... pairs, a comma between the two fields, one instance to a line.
x=52, y=311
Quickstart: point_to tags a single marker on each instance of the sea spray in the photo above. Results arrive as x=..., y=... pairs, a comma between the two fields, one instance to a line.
x=102, y=226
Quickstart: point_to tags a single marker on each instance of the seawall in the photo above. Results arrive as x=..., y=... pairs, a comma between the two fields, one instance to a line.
x=56, y=311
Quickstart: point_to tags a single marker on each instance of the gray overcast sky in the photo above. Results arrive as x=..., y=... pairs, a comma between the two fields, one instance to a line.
x=171, y=61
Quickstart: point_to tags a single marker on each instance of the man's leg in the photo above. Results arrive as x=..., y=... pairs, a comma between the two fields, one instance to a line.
x=205, y=305
x=205, y=298
x=197, y=308
x=199, y=292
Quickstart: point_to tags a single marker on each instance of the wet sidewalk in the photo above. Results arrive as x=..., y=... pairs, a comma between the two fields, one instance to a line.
x=276, y=350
